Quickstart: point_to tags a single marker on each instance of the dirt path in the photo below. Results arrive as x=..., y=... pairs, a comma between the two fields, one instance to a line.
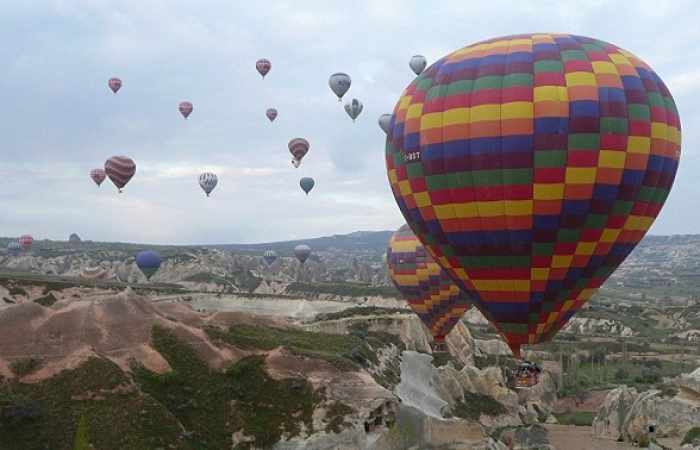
x=569, y=437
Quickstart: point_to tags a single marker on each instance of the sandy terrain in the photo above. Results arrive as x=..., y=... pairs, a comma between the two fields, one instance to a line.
x=570, y=437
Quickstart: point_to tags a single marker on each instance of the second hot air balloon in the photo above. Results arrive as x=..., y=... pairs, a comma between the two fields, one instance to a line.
x=429, y=290
x=353, y=108
x=185, y=109
x=530, y=166
x=271, y=114
x=120, y=169
x=339, y=84
x=307, y=183
x=302, y=252
x=98, y=176
x=298, y=147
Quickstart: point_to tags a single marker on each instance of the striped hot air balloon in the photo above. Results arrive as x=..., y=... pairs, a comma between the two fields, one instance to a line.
x=530, y=166
x=13, y=248
x=429, y=290
x=270, y=256
x=298, y=147
x=120, y=169
x=208, y=181
x=98, y=176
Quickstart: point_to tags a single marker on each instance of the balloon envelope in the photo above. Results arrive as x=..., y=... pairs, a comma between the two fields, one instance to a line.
x=120, y=169
x=353, y=108
x=13, y=248
x=298, y=147
x=339, y=84
x=148, y=262
x=269, y=257
x=263, y=66
x=385, y=122
x=185, y=109
x=271, y=114
x=530, y=167
x=98, y=176
x=429, y=290
x=307, y=184
x=114, y=84
x=26, y=242
x=417, y=64
x=302, y=252
x=208, y=181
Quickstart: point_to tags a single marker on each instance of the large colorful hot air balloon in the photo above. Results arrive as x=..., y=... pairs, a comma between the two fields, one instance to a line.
x=302, y=252
x=385, y=122
x=339, y=84
x=208, y=181
x=120, y=169
x=353, y=108
x=530, y=166
x=429, y=290
x=263, y=66
x=307, y=183
x=148, y=262
x=114, y=84
x=13, y=248
x=25, y=241
x=98, y=176
x=269, y=257
x=298, y=147
x=417, y=64
x=271, y=114
x=185, y=109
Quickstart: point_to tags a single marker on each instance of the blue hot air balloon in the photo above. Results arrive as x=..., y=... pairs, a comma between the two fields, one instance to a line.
x=307, y=184
x=148, y=262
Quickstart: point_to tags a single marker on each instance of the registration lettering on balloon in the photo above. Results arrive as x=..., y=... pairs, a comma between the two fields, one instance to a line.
x=413, y=156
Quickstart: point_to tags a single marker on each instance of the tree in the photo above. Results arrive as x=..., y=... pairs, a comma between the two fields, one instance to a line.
x=82, y=437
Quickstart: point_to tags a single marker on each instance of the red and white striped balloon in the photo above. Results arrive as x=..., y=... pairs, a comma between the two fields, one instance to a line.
x=98, y=176
x=120, y=169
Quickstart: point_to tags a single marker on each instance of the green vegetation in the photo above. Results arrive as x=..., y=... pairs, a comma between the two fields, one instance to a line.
x=46, y=300
x=691, y=436
x=47, y=414
x=361, y=311
x=474, y=405
x=82, y=436
x=25, y=366
x=578, y=418
x=202, y=399
x=344, y=289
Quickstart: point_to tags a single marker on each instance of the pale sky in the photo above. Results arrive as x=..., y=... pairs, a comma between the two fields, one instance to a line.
x=59, y=120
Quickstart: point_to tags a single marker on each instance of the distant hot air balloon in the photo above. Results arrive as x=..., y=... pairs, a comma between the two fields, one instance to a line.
x=26, y=242
x=307, y=183
x=429, y=290
x=385, y=122
x=74, y=239
x=531, y=192
x=339, y=84
x=417, y=64
x=120, y=169
x=114, y=84
x=13, y=248
x=269, y=257
x=296, y=163
x=185, y=109
x=302, y=252
x=208, y=182
x=263, y=66
x=353, y=108
x=148, y=262
x=98, y=176
x=298, y=147
x=271, y=114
